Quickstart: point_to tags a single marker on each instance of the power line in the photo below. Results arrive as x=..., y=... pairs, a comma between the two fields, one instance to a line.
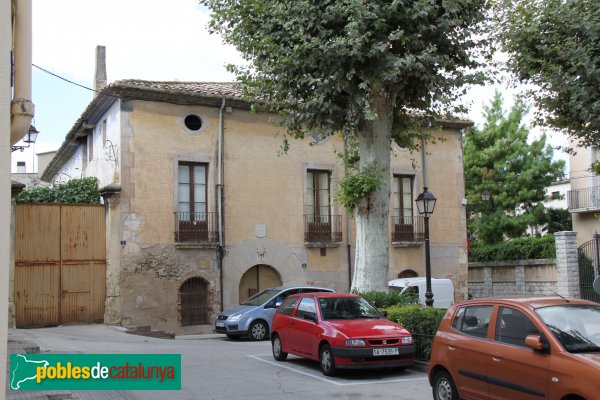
x=65, y=79
x=71, y=82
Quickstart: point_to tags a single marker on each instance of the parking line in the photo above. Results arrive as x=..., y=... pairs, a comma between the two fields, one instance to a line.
x=324, y=379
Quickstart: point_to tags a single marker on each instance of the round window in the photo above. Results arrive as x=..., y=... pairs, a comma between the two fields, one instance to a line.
x=193, y=122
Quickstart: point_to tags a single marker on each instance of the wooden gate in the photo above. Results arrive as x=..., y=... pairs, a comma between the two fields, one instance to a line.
x=60, y=264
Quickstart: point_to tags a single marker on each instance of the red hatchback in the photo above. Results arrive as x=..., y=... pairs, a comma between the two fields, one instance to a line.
x=339, y=331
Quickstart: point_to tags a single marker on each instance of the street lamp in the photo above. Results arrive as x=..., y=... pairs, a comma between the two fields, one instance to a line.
x=485, y=195
x=425, y=204
x=29, y=138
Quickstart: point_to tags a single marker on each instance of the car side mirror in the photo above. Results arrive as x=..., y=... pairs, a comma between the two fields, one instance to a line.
x=310, y=316
x=535, y=342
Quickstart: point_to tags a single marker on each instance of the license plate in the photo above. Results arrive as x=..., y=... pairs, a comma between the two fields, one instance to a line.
x=390, y=351
x=220, y=324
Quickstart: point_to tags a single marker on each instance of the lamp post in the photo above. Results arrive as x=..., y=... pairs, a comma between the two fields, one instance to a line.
x=425, y=204
x=29, y=138
x=485, y=195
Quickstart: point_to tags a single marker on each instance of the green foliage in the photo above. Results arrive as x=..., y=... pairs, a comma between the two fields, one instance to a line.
x=421, y=321
x=390, y=298
x=518, y=249
x=75, y=191
x=353, y=188
x=499, y=158
x=553, y=47
x=320, y=64
x=557, y=220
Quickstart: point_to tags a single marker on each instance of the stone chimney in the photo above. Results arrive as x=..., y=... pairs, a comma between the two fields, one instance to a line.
x=100, y=75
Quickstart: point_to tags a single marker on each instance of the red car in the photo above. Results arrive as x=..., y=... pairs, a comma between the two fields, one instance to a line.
x=339, y=331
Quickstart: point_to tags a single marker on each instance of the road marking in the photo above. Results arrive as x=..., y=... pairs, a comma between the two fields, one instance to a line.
x=321, y=377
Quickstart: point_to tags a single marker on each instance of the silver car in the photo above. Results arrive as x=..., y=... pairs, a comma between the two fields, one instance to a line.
x=253, y=317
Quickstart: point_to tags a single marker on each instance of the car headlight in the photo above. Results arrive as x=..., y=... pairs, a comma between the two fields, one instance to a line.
x=407, y=339
x=235, y=317
x=355, y=343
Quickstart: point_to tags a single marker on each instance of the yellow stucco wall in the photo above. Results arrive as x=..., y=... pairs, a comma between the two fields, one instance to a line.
x=263, y=188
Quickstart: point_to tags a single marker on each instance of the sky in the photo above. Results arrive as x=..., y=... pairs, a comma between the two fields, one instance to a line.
x=144, y=39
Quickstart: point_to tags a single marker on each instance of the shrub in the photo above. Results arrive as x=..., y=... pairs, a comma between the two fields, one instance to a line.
x=517, y=249
x=384, y=300
x=421, y=321
x=75, y=191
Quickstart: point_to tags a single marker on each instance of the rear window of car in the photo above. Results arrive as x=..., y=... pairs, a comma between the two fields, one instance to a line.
x=473, y=320
x=288, y=306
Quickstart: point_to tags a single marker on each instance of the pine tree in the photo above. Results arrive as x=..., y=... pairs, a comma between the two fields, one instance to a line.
x=498, y=159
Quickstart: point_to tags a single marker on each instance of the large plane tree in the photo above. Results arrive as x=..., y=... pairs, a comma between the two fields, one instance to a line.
x=365, y=69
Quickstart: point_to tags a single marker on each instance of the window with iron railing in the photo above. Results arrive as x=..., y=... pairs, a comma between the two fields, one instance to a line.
x=406, y=227
x=192, y=221
x=319, y=224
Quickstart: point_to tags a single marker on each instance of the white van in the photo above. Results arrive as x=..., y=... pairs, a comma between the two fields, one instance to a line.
x=442, y=289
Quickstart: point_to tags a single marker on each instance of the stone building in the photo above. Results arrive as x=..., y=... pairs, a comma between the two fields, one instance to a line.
x=203, y=209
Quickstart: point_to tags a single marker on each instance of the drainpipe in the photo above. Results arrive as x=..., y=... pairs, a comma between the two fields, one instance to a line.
x=21, y=108
x=220, y=199
x=423, y=162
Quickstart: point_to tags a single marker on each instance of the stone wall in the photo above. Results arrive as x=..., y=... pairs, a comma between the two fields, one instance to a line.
x=531, y=277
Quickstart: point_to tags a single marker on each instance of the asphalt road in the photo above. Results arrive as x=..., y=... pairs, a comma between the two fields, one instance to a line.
x=220, y=368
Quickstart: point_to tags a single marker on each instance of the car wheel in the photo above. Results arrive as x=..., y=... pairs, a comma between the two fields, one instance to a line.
x=258, y=330
x=277, y=353
x=326, y=360
x=443, y=387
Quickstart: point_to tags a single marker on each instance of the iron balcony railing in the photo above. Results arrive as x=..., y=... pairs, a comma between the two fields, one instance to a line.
x=588, y=198
x=408, y=229
x=322, y=228
x=197, y=227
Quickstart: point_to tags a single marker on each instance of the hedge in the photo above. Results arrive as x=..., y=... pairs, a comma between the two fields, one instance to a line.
x=517, y=249
x=421, y=321
x=75, y=191
x=387, y=299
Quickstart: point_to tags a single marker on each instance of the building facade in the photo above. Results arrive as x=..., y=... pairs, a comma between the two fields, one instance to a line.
x=203, y=209
x=584, y=196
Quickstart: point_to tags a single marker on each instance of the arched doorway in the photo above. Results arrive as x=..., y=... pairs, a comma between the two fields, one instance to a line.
x=408, y=273
x=193, y=301
x=258, y=278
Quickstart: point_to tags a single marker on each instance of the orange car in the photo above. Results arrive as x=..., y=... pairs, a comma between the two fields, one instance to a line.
x=517, y=348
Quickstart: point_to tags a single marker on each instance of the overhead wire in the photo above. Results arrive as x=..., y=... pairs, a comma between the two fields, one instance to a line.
x=71, y=82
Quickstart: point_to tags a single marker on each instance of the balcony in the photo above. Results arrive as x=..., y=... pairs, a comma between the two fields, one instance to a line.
x=584, y=200
x=322, y=230
x=408, y=230
x=197, y=229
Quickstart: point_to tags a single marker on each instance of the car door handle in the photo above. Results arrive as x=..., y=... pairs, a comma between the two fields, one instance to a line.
x=292, y=322
x=496, y=357
x=451, y=348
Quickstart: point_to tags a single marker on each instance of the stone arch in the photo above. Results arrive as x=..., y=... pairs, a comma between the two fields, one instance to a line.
x=243, y=256
x=256, y=278
x=408, y=273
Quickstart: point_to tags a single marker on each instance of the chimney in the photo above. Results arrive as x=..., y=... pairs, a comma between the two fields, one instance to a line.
x=100, y=76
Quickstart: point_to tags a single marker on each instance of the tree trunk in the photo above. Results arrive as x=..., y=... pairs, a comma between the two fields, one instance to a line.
x=372, y=213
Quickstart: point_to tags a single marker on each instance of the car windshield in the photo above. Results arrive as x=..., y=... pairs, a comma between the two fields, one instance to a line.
x=347, y=308
x=576, y=326
x=260, y=297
